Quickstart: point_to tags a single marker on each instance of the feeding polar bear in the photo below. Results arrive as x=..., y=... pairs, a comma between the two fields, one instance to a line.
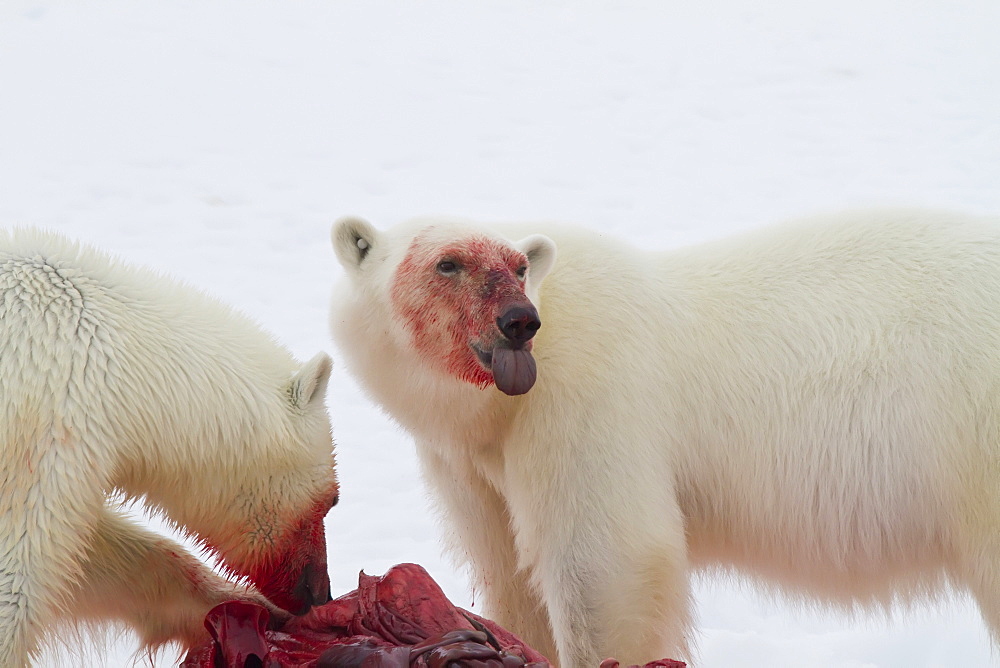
x=816, y=404
x=115, y=379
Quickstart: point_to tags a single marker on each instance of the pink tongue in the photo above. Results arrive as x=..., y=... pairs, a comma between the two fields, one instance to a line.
x=513, y=370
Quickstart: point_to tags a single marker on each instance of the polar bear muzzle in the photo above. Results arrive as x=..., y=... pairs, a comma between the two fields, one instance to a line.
x=519, y=324
x=513, y=368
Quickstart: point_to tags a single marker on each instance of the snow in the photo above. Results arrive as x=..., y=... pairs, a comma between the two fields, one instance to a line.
x=218, y=140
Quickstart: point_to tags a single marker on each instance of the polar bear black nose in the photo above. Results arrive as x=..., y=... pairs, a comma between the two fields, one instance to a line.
x=519, y=324
x=313, y=588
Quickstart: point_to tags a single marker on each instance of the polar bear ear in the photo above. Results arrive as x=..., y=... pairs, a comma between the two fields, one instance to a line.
x=353, y=238
x=309, y=384
x=541, y=252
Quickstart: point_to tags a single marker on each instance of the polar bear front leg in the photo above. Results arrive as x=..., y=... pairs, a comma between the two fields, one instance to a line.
x=481, y=536
x=152, y=583
x=615, y=585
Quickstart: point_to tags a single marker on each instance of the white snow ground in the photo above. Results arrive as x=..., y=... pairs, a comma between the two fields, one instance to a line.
x=217, y=140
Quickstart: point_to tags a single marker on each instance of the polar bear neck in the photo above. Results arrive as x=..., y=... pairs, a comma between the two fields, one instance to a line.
x=433, y=406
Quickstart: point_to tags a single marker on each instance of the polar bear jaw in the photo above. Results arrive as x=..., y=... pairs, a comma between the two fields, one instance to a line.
x=290, y=569
x=455, y=298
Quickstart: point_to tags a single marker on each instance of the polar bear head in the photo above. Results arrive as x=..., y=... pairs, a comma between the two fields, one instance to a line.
x=459, y=297
x=283, y=549
x=257, y=498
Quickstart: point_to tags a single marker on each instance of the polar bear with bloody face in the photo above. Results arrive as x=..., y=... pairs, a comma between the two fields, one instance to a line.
x=115, y=380
x=474, y=315
x=816, y=404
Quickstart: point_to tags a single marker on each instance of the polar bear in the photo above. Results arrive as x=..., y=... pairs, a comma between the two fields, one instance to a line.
x=114, y=379
x=815, y=404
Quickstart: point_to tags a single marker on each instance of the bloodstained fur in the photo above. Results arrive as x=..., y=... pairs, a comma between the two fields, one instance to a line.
x=446, y=315
x=277, y=576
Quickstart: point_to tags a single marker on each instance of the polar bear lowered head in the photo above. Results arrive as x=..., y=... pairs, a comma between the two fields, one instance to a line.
x=464, y=300
x=272, y=531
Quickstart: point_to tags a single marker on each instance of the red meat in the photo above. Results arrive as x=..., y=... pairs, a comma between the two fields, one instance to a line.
x=399, y=620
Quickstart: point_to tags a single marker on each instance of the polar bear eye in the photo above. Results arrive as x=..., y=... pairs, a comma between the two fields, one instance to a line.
x=521, y=272
x=447, y=268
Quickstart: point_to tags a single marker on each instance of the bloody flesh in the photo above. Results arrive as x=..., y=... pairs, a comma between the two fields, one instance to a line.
x=399, y=620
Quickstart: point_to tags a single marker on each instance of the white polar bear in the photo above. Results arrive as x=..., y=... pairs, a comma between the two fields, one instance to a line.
x=115, y=379
x=815, y=404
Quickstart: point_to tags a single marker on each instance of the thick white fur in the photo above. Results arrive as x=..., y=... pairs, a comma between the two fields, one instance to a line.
x=816, y=404
x=117, y=380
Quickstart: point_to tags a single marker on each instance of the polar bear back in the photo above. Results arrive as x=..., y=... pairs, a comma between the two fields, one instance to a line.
x=81, y=326
x=853, y=363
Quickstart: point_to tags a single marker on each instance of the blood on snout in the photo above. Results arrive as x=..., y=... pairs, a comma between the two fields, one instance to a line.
x=294, y=575
x=447, y=314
